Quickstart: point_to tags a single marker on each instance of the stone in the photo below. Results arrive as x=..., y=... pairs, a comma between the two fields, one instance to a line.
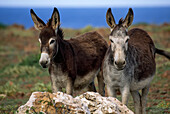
x=87, y=103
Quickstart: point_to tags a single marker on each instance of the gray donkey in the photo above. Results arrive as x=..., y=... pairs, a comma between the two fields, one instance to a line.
x=129, y=64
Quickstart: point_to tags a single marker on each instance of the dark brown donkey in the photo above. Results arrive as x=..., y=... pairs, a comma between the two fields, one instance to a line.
x=129, y=64
x=73, y=64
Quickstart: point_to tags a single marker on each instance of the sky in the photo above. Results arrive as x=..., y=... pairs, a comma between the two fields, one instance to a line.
x=83, y=3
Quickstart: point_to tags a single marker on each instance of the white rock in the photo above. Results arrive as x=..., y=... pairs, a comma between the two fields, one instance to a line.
x=89, y=102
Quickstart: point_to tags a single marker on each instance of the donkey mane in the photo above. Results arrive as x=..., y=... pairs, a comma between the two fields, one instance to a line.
x=49, y=22
x=120, y=21
x=60, y=32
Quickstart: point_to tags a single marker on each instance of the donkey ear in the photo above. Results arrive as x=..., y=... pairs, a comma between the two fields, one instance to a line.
x=38, y=23
x=129, y=18
x=110, y=19
x=55, y=19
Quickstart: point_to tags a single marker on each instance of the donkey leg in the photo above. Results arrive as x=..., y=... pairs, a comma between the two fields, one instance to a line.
x=69, y=86
x=101, y=84
x=125, y=92
x=137, y=101
x=144, y=99
x=91, y=87
x=111, y=91
x=55, y=87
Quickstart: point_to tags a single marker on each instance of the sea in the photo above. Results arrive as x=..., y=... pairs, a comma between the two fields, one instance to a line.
x=77, y=18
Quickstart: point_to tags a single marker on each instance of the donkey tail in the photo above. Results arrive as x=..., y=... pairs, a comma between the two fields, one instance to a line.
x=162, y=52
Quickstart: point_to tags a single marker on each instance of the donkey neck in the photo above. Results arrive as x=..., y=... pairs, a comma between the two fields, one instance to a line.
x=63, y=48
x=59, y=57
x=131, y=55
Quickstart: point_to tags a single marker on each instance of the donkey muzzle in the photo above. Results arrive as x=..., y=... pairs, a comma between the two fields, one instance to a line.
x=44, y=60
x=120, y=64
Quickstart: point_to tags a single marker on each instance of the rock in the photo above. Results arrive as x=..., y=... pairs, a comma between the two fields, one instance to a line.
x=87, y=103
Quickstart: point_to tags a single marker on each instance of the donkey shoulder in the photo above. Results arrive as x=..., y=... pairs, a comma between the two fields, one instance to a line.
x=140, y=37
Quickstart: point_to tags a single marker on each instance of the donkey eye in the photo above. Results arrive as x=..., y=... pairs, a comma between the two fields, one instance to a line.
x=126, y=40
x=52, y=41
x=111, y=40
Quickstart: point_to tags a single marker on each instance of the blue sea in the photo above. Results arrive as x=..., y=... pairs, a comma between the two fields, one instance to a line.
x=80, y=17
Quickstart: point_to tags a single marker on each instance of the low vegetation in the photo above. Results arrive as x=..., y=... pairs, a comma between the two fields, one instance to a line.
x=20, y=73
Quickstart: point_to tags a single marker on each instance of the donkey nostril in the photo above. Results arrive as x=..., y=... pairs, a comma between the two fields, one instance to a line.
x=116, y=63
x=120, y=63
x=43, y=62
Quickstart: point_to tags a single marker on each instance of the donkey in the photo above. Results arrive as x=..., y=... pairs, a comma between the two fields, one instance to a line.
x=73, y=64
x=129, y=64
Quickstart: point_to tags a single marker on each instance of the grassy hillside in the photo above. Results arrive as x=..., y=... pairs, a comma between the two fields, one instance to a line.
x=20, y=73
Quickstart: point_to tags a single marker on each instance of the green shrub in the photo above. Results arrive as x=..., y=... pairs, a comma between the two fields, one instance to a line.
x=163, y=104
x=9, y=88
x=166, y=29
x=31, y=60
x=2, y=26
x=42, y=87
x=87, y=29
x=22, y=71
